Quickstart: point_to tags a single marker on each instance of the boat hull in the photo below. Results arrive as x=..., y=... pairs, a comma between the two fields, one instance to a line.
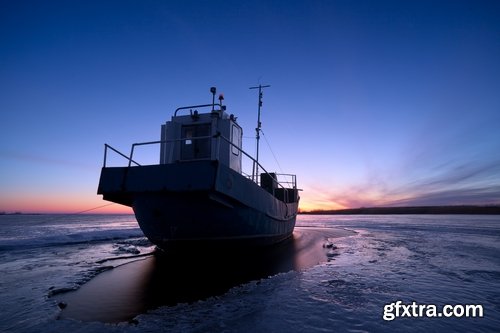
x=201, y=203
x=174, y=220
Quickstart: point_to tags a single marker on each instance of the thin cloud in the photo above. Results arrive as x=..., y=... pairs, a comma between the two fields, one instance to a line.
x=452, y=184
x=469, y=196
x=33, y=158
x=449, y=184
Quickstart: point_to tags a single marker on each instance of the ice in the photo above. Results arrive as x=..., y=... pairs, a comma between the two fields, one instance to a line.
x=428, y=259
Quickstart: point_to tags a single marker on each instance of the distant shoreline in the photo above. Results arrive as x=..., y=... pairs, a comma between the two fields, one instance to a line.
x=62, y=214
x=482, y=210
x=431, y=210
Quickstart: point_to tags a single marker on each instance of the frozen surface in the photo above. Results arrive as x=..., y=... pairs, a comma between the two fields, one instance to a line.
x=440, y=259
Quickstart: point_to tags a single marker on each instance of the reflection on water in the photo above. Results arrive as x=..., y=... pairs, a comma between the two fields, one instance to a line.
x=168, y=279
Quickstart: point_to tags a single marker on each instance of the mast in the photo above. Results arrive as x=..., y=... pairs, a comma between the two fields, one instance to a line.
x=255, y=169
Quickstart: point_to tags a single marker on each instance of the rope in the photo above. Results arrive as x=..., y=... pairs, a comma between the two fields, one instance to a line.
x=58, y=217
x=272, y=152
x=91, y=209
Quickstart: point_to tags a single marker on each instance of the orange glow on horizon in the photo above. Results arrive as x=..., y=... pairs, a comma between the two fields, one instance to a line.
x=312, y=199
x=315, y=205
x=68, y=204
x=315, y=199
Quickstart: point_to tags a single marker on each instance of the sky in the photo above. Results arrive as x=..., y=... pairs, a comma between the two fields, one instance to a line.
x=372, y=103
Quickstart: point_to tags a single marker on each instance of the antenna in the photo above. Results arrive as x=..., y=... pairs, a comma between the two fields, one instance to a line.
x=213, y=90
x=255, y=169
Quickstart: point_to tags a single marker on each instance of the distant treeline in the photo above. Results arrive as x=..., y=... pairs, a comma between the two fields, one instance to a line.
x=411, y=210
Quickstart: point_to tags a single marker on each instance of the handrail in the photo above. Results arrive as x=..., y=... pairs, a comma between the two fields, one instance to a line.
x=106, y=146
x=218, y=135
x=195, y=106
x=164, y=141
x=255, y=161
x=241, y=150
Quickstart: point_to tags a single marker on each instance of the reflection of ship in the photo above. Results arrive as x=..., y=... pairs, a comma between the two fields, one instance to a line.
x=198, y=193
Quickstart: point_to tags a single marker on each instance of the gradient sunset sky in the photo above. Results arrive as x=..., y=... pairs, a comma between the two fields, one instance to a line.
x=372, y=103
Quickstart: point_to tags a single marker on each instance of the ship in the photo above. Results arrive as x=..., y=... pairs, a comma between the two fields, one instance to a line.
x=199, y=193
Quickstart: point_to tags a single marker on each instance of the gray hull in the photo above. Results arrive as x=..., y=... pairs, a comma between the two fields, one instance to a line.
x=199, y=203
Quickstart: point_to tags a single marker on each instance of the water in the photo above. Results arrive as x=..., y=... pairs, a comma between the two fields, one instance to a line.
x=429, y=259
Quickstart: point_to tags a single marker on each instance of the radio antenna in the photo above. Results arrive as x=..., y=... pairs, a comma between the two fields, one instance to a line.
x=255, y=169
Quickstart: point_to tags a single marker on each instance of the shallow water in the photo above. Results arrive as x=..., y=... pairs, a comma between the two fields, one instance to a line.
x=441, y=259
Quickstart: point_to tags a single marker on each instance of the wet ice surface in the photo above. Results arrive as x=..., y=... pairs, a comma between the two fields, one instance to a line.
x=449, y=264
x=192, y=275
x=427, y=259
x=43, y=255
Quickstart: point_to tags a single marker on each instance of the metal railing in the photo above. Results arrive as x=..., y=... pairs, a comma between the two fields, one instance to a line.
x=213, y=105
x=106, y=147
x=290, y=181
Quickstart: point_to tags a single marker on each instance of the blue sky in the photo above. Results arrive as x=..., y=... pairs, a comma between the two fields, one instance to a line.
x=371, y=102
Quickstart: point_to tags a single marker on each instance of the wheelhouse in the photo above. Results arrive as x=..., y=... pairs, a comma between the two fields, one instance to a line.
x=194, y=137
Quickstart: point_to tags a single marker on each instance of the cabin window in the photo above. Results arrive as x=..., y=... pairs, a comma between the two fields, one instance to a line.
x=195, y=144
x=235, y=139
x=189, y=135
